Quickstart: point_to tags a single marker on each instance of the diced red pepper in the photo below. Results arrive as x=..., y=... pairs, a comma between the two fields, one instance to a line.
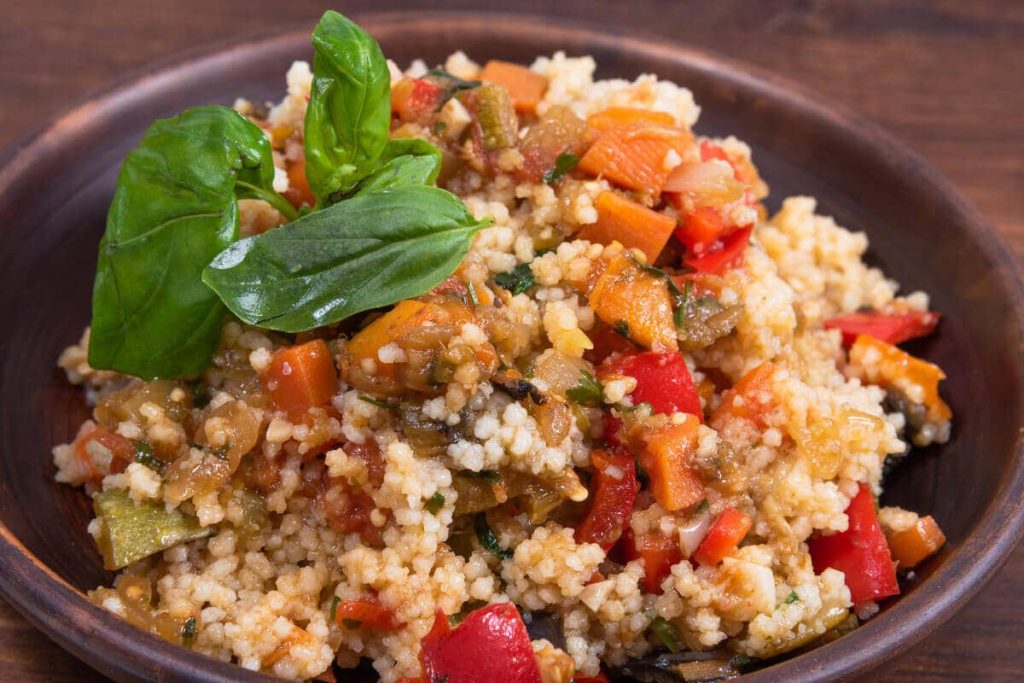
x=613, y=490
x=491, y=644
x=700, y=229
x=658, y=552
x=892, y=328
x=662, y=380
x=860, y=552
x=729, y=255
x=368, y=612
x=723, y=537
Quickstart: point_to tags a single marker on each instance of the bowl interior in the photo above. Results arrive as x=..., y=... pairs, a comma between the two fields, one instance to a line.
x=54, y=195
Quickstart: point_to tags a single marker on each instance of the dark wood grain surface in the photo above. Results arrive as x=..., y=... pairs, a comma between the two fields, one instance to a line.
x=946, y=77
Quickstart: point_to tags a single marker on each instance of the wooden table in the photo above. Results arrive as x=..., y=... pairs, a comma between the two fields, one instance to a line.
x=947, y=77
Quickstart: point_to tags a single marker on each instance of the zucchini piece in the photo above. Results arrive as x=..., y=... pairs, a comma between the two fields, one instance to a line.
x=131, y=531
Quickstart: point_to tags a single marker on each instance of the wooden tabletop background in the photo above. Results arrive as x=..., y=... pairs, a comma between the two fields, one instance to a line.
x=946, y=77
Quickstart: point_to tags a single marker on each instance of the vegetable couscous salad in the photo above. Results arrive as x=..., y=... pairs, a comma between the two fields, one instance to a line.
x=488, y=373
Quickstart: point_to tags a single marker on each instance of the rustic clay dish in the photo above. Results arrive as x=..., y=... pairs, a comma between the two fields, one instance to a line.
x=54, y=191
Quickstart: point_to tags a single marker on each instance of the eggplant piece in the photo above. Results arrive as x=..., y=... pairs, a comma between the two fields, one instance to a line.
x=544, y=625
x=689, y=667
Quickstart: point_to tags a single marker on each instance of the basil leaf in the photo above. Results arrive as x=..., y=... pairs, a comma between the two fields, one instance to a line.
x=518, y=280
x=369, y=251
x=174, y=209
x=404, y=161
x=587, y=392
x=349, y=112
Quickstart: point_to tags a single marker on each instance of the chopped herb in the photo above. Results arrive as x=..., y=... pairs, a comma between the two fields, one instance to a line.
x=703, y=507
x=455, y=619
x=666, y=633
x=488, y=540
x=189, y=631
x=517, y=280
x=375, y=402
x=791, y=598
x=472, y=294
x=622, y=327
x=351, y=623
x=435, y=503
x=738, y=661
x=490, y=475
x=334, y=607
x=587, y=392
x=450, y=84
x=682, y=305
x=144, y=456
x=564, y=163
x=439, y=127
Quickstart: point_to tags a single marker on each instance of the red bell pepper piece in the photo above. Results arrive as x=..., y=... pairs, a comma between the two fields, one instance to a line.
x=892, y=328
x=860, y=552
x=700, y=229
x=729, y=255
x=490, y=646
x=368, y=612
x=725, y=534
x=658, y=552
x=613, y=490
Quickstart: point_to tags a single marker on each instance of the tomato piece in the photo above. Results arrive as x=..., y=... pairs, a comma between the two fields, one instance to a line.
x=892, y=328
x=122, y=451
x=749, y=399
x=662, y=380
x=414, y=98
x=728, y=255
x=302, y=376
x=491, y=644
x=613, y=490
x=658, y=552
x=860, y=552
x=700, y=229
x=723, y=537
x=368, y=612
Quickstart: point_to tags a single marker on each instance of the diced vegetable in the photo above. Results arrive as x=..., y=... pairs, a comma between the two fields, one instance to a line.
x=496, y=117
x=130, y=531
x=525, y=87
x=559, y=133
x=743, y=169
x=892, y=328
x=606, y=340
x=860, y=552
x=369, y=614
x=633, y=225
x=363, y=347
x=662, y=380
x=488, y=539
x=122, y=451
x=658, y=552
x=880, y=363
x=749, y=399
x=666, y=633
x=414, y=99
x=491, y=644
x=299, y=192
x=618, y=117
x=613, y=490
x=910, y=546
x=666, y=460
x=626, y=292
x=700, y=230
x=723, y=537
x=587, y=391
x=706, y=183
x=302, y=376
x=633, y=157
x=728, y=255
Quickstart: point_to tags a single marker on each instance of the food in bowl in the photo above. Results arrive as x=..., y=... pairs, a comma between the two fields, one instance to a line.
x=488, y=373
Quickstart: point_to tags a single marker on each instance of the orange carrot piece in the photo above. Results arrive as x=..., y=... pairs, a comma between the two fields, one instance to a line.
x=626, y=296
x=750, y=398
x=910, y=546
x=525, y=87
x=615, y=117
x=631, y=224
x=666, y=460
x=301, y=377
x=634, y=157
x=885, y=365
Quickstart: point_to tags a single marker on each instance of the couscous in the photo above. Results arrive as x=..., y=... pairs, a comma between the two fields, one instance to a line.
x=488, y=373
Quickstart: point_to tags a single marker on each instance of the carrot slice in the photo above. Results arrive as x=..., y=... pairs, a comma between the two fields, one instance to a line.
x=885, y=365
x=635, y=226
x=635, y=157
x=614, y=117
x=666, y=459
x=627, y=298
x=910, y=546
x=301, y=377
x=525, y=87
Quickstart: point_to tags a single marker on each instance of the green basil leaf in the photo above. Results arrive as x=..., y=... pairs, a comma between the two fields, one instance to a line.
x=174, y=209
x=404, y=161
x=349, y=112
x=369, y=251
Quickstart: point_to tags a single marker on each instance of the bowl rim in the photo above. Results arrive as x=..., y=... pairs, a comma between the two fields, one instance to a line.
x=66, y=615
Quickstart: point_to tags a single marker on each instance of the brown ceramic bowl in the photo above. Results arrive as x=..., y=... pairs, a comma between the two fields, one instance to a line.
x=54, y=191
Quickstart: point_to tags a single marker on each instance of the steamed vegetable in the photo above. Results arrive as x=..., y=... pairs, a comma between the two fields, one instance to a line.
x=633, y=156
x=723, y=537
x=659, y=553
x=366, y=613
x=880, y=363
x=911, y=546
x=666, y=459
x=891, y=328
x=631, y=224
x=130, y=531
x=613, y=490
x=175, y=208
x=525, y=87
x=301, y=377
x=627, y=293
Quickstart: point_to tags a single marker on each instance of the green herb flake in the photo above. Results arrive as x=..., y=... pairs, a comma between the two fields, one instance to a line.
x=665, y=633
x=144, y=456
x=434, y=504
x=472, y=294
x=518, y=280
x=377, y=402
x=490, y=475
x=189, y=631
x=334, y=608
x=450, y=85
x=587, y=392
x=703, y=507
x=791, y=598
x=622, y=328
x=488, y=540
x=564, y=163
x=439, y=127
x=682, y=304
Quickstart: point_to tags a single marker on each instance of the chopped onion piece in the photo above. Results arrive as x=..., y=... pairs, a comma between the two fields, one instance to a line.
x=710, y=183
x=693, y=532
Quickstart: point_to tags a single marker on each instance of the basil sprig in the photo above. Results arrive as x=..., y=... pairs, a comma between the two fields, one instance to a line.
x=349, y=112
x=366, y=252
x=174, y=209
